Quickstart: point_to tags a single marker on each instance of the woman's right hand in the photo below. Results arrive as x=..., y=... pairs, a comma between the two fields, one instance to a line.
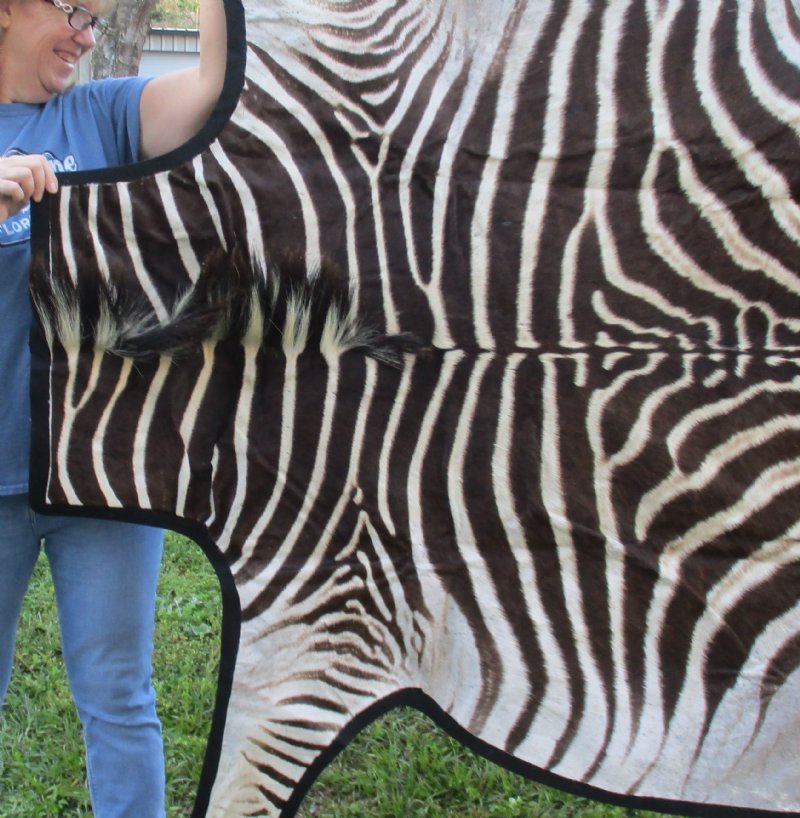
x=23, y=178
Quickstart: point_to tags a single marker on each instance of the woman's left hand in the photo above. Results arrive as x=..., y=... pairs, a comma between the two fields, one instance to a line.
x=23, y=178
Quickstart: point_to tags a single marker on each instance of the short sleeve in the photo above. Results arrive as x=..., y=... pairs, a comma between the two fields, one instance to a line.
x=107, y=109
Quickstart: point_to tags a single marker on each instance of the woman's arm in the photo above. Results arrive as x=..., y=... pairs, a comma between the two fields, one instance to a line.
x=175, y=106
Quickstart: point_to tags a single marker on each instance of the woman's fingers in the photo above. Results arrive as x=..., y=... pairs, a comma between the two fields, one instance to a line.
x=22, y=179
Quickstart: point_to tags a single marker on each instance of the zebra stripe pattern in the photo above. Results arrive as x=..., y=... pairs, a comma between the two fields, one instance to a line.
x=570, y=516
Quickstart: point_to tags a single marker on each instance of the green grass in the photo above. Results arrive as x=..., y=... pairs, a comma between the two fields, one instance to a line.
x=401, y=766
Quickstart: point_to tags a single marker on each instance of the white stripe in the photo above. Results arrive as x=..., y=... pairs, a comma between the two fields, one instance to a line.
x=428, y=284
x=679, y=483
x=94, y=232
x=601, y=406
x=527, y=31
x=553, y=714
x=71, y=410
x=180, y=233
x=187, y=426
x=260, y=74
x=610, y=318
x=589, y=737
x=311, y=566
x=270, y=138
x=539, y=198
x=145, y=423
x=64, y=202
x=784, y=108
x=98, y=439
x=389, y=441
x=658, y=237
x=684, y=736
x=751, y=161
x=132, y=246
x=213, y=210
x=775, y=480
x=596, y=195
x=250, y=589
x=288, y=410
x=241, y=444
x=512, y=670
x=442, y=670
x=252, y=222
x=781, y=29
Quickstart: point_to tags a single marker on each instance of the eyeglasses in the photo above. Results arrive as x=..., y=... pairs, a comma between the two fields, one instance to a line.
x=80, y=18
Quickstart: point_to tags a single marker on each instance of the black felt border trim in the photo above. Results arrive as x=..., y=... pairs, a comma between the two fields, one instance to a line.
x=418, y=699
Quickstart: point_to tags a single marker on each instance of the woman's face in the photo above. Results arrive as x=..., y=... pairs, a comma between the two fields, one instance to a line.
x=38, y=50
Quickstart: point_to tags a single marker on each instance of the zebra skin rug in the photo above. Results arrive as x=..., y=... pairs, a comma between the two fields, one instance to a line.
x=465, y=340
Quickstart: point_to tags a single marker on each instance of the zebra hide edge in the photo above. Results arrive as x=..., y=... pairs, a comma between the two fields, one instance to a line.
x=465, y=339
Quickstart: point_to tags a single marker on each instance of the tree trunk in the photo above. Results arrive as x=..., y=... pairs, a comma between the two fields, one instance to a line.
x=119, y=50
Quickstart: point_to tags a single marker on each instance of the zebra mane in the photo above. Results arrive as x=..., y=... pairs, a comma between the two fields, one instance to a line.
x=285, y=307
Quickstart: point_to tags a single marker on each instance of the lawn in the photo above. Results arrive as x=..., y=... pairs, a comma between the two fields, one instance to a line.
x=402, y=766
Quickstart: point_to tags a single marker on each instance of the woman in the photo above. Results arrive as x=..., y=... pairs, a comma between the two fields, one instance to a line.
x=104, y=573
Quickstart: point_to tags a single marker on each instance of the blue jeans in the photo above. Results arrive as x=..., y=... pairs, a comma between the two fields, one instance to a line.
x=105, y=576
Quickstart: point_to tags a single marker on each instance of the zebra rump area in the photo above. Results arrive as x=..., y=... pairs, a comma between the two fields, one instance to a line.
x=570, y=530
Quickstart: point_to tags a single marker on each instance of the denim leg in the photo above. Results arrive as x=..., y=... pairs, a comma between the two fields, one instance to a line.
x=105, y=576
x=19, y=549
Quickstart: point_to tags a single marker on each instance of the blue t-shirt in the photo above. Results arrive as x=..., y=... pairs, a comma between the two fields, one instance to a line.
x=94, y=125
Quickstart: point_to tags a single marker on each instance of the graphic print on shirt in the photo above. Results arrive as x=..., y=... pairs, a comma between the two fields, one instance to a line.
x=16, y=229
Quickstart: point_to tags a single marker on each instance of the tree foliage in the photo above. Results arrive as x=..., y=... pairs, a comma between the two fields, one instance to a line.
x=175, y=14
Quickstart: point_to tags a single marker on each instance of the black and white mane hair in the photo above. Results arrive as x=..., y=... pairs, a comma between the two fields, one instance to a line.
x=284, y=307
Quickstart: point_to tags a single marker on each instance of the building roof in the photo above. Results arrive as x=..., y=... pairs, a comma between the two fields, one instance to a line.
x=173, y=40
